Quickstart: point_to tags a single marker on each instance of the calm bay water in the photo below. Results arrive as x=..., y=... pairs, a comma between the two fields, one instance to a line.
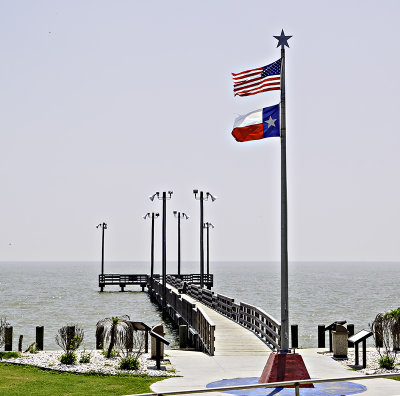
x=60, y=293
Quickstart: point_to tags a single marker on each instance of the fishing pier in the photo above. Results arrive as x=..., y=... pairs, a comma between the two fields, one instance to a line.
x=207, y=321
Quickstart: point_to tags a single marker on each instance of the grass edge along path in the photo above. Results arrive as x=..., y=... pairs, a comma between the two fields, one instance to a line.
x=30, y=380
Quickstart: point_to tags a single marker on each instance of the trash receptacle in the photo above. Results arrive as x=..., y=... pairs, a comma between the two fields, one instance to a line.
x=340, y=336
x=159, y=329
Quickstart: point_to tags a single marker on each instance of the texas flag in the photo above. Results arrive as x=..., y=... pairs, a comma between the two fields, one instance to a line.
x=258, y=124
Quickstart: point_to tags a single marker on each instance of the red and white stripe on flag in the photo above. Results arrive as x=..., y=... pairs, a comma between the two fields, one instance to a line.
x=252, y=82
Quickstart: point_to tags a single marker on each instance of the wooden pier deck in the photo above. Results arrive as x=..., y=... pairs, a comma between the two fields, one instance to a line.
x=231, y=339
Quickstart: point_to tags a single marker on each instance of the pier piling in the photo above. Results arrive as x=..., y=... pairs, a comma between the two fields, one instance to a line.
x=321, y=336
x=8, y=335
x=39, y=337
x=294, y=331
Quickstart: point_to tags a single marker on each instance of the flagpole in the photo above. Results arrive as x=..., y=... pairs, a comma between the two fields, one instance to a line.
x=284, y=243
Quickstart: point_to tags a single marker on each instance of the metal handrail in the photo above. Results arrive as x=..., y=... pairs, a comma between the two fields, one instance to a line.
x=297, y=385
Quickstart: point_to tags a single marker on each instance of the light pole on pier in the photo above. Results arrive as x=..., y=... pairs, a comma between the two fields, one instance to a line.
x=202, y=197
x=164, y=197
x=103, y=227
x=207, y=227
x=152, y=216
x=179, y=216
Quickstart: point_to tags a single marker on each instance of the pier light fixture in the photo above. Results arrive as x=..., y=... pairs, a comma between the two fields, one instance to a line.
x=164, y=197
x=151, y=216
x=201, y=196
x=207, y=227
x=151, y=197
x=103, y=227
x=179, y=216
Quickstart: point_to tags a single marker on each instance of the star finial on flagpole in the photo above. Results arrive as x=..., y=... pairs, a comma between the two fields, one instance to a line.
x=283, y=40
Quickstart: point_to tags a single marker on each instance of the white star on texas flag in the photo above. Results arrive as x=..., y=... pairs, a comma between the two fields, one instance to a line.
x=270, y=121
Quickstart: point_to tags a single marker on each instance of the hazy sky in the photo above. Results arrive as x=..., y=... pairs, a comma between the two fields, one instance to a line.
x=104, y=103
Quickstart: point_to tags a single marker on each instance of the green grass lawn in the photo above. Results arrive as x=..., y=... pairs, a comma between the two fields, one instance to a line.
x=27, y=380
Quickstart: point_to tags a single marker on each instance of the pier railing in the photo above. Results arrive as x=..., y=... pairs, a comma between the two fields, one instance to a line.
x=200, y=327
x=253, y=318
x=194, y=279
x=122, y=280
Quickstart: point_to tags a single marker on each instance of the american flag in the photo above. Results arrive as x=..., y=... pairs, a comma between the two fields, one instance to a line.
x=262, y=79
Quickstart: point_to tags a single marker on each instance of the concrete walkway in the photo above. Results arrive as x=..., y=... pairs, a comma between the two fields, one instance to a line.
x=239, y=354
x=198, y=369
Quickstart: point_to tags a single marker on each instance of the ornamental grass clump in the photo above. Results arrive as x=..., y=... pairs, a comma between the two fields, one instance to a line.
x=386, y=362
x=386, y=331
x=116, y=331
x=119, y=332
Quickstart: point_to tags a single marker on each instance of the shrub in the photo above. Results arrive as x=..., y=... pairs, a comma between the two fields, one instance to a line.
x=68, y=357
x=33, y=348
x=386, y=362
x=129, y=363
x=8, y=355
x=85, y=357
x=113, y=353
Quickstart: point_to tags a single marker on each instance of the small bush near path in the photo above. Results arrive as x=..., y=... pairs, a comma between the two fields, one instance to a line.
x=85, y=357
x=386, y=362
x=129, y=363
x=26, y=380
x=68, y=357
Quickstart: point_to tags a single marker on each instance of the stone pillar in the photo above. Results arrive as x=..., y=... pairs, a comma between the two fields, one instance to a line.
x=339, y=342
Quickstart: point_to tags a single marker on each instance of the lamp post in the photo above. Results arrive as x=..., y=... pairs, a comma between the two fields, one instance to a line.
x=103, y=227
x=200, y=196
x=207, y=227
x=180, y=216
x=165, y=195
x=152, y=216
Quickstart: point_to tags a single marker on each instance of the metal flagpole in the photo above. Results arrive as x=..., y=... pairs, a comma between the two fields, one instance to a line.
x=284, y=250
x=282, y=41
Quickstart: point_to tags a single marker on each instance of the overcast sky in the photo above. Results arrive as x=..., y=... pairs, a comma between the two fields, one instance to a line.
x=104, y=103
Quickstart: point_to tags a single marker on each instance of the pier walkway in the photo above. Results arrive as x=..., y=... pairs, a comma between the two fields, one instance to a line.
x=231, y=339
